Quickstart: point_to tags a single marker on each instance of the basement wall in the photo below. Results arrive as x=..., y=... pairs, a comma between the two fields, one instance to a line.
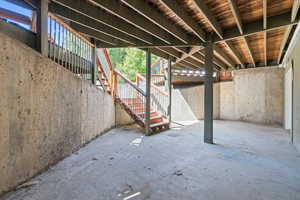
x=188, y=103
x=46, y=113
x=255, y=95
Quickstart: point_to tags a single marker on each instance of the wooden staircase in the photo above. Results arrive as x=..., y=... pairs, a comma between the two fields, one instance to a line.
x=136, y=109
x=129, y=95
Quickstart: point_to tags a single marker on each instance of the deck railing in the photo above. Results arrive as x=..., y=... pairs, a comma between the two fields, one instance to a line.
x=159, y=97
x=68, y=48
x=130, y=95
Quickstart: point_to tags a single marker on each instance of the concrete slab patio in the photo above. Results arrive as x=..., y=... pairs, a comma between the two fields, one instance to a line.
x=247, y=162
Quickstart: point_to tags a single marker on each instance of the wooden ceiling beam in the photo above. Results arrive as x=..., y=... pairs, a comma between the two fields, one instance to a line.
x=76, y=14
x=236, y=15
x=250, y=51
x=274, y=22
x=101, y=16
x=85, y=21
x=295, y=9
x=192, y=51
x=235, y=53
x=283, y=42
x=181, y=13
x=121, y=39
x=216, y=60
x=226, y=59
x=210, y=18
x=160, y=26
x=109, y=40
x=159, y=53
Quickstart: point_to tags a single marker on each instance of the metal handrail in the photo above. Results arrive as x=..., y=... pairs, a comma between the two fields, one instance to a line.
x=130, y=82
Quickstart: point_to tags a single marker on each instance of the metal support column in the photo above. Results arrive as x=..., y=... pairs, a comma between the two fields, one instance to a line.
x=94, y=65
x=42, y=27
x=170, y=88
x=148, y=91
x=208, y=92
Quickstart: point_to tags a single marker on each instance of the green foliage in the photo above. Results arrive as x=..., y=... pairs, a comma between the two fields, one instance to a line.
x=129, y=61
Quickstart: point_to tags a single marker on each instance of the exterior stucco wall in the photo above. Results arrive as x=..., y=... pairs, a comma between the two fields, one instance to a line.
x=46, y=112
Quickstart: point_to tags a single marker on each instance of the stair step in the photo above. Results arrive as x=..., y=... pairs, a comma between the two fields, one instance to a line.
x=152, y=114
x=156, y=119
x=160, y=124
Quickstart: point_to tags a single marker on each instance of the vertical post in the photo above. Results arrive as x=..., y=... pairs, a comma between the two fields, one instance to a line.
x=170, y=87
x=208, y=92
x=42, y=27
x=94, y=64
x=148, y=92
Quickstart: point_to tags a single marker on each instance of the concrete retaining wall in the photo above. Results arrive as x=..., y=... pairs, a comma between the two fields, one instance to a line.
x=255, y=95
x=46, y=112
x=122, y=117
x=188, y=103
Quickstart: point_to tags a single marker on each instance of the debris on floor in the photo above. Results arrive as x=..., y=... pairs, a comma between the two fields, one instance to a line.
x=137, y=141
x=27, y=184
x=178, y=173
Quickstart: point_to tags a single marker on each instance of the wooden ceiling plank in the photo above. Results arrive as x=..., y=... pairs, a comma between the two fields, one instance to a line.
x=250, y=51
x=236, y=15
x=185, y=17
x=210, y=18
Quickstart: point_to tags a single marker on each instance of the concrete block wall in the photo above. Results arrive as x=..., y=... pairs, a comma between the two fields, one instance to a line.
x=255, y=95
x=46, y=112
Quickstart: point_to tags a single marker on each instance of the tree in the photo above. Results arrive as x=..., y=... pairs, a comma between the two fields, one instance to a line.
x=129, y=61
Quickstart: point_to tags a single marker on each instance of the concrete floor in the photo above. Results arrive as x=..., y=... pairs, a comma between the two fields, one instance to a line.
x=248, y=161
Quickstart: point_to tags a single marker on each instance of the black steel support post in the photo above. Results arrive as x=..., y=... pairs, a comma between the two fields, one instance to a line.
x=94, y=65
x=170, y=88
x=148, y=92
x=208, y=92
x=42, y=27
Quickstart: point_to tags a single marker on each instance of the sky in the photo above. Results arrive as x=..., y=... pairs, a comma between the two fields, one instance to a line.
x=17, y=9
